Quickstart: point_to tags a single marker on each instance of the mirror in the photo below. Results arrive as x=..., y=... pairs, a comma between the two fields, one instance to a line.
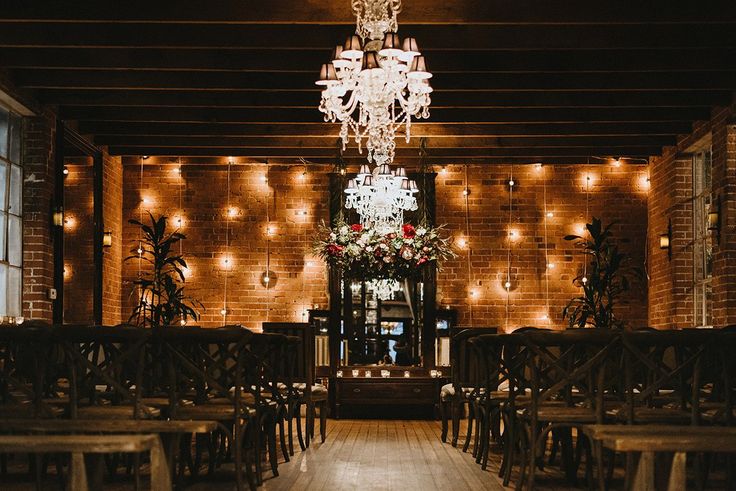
x=384, y=328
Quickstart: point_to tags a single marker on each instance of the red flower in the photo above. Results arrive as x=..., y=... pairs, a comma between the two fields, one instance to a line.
x=409, y=231
x=356, y=227
x=334, y=249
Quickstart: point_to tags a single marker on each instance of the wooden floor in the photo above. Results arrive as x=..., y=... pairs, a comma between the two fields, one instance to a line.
x=382, y=455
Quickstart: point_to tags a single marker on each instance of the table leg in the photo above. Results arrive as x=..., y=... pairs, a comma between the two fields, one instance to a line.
x=644, y=479
x=678, y=476
x=160, y=475
x=77, y=473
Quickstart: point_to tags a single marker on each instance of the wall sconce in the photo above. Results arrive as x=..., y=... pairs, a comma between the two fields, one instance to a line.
x=714, y=217
x=268, y=279
x=107, y=239
x=665, y=240
x=57, y=216
x=65, y=171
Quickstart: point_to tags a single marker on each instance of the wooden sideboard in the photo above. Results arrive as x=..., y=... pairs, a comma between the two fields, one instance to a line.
x=390, y=391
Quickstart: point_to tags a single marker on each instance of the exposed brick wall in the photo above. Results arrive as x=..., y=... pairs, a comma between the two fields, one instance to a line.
x=38, y=191
x=301, y=278
x=79, y=267
x=616, y=194
x=112, y=257
x=671, y=281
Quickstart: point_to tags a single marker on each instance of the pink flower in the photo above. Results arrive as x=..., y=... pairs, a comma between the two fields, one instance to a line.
x=334, y=249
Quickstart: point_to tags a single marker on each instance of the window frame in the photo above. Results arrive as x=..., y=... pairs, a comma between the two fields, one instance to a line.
x=702, y=269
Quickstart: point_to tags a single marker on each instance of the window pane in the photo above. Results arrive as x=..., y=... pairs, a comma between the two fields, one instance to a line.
x=4, y=133
x=15, y=203
x=3, y=289
x=3, y=184
x=15, y=241
x=15, y=291
x=2, y=237
x=16, y=126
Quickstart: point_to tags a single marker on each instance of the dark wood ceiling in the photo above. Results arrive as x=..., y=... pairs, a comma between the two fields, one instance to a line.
x=526, y=81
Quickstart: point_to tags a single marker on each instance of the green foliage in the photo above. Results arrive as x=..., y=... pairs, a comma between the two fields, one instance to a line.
x=160, y=289
x=608, y=277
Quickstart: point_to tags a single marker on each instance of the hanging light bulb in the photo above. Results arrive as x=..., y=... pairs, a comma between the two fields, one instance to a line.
x=507, y=285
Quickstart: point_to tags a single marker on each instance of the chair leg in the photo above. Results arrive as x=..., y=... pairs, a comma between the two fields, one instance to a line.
x=469, y=433
x=282, y=435
x=443, y=419
x=456, y=409
x=290, y=427
x=272, y=453
x=323, y=421
x=298, y=416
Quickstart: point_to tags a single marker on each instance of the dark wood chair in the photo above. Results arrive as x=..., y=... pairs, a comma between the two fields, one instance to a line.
x=310, y=393
x=465, y=382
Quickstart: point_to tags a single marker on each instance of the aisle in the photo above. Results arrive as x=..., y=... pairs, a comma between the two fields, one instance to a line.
x=382, y=455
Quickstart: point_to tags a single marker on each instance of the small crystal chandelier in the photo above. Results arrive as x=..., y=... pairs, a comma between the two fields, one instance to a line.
x=375, y=83
x=381, y=197
x=383, y=289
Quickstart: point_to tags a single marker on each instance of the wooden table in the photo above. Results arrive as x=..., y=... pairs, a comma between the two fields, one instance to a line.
x=79, y=445
x=390, y=391
x=650, y=439
x=170, y=431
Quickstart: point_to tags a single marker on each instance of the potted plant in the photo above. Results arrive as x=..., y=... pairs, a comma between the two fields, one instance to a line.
x=160, y=289
x=609, y=275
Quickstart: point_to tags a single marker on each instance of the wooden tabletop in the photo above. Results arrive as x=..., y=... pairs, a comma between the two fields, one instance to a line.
x=663, y=438
x=108, y=426
x=77, y=443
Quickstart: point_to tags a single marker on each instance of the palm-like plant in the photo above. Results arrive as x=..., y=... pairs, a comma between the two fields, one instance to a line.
x=608, y=277
x=160, y=289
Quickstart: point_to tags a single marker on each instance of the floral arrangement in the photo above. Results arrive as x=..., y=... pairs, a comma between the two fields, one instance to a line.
x=368, y=254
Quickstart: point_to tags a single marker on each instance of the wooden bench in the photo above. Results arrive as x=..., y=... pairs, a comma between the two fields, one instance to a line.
x=650, y=439
x=170, y=431
x=79, y=445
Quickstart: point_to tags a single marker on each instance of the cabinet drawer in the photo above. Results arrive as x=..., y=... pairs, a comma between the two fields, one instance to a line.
x=382, y=392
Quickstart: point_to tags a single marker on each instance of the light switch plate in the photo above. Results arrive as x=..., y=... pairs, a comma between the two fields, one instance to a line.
x=52, y=293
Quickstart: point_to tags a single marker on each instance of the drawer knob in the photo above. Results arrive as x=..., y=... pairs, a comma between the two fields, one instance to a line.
x=417, y=390
x=356, y=390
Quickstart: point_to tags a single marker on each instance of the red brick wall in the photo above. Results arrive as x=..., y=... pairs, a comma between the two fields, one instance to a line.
x=38, y=192
x=616, y=194
x=112, y=257
x=301, y=280
x=79, y=267
x=670, y=284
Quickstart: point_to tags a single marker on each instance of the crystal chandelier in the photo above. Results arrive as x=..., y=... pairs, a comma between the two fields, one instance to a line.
x=383, y=289
x=381, y=197
x=375, y=83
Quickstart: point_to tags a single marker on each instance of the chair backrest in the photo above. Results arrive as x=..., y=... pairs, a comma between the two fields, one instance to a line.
x=570, y=366
x=670, y=363
x=464, y=360
x=105, y=365
x=303, y=370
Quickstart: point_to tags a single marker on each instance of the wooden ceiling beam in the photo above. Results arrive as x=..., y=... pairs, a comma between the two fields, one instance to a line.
x=429, y=130
x=443, y=99
x=461, y=37
x=401, y=153
x=607, y=60
x=445, y=142
x=239, y=81
x=450, y=12
x=468, y=115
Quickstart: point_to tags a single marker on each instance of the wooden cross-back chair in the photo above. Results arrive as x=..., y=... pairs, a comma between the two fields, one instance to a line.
x=304, y=389
x=465, y=382
x=569, y=378
x=28, y=372
x=105, y=366
x=664, y=375
x=215, y=376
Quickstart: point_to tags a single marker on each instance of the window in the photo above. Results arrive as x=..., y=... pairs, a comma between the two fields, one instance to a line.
x=703, y=240
x=11, y=211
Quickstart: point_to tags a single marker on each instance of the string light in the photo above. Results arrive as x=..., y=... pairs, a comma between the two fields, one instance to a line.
x=507, y=285
x=266, y=276
x=617, y=162
x=226, y=261
x=466, y=192
x=550, y=265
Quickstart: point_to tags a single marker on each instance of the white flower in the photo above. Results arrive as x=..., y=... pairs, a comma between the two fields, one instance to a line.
x=333, y=236
x=344, y=230
x=407, y=254
x=353, y=250
x=421, y=231
x=387, y=259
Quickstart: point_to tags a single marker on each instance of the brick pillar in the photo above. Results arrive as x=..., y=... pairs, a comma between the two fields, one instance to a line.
x=724, y=190
x=112, y=257
x=38, y=257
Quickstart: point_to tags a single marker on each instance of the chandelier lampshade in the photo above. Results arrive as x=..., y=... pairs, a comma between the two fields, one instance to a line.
x=375, y=83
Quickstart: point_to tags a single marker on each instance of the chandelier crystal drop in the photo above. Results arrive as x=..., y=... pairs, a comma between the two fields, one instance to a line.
x=383, y=289
x=375, y=83
x=381, y=197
